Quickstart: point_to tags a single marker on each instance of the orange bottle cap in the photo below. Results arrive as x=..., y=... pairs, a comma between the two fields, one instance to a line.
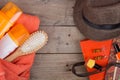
x=118, y=56
x=19, y=34
x=12, y=11
x=90, y=63
x=4, y=24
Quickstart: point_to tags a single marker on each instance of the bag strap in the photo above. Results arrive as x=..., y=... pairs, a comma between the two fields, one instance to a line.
x=94, y=72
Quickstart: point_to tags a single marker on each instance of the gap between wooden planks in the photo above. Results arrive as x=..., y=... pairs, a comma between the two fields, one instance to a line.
x=55, y=67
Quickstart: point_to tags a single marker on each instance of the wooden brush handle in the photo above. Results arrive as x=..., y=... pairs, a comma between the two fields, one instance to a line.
x=13, y=56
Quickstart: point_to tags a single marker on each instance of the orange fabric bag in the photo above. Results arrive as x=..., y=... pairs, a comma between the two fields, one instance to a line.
x=19, y=69
x=92, y=50
x=96, y=55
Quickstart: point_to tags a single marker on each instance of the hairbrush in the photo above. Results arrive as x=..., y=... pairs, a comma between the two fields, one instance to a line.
x=36, y=41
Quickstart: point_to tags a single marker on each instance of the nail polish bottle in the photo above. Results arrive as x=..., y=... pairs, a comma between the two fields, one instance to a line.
x=117, y=50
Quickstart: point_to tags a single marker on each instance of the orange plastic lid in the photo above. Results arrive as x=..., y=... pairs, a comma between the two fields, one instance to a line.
x=118, y=56
x=19, y=34
x=4, y=24
x=90, y=63
x=12, y=11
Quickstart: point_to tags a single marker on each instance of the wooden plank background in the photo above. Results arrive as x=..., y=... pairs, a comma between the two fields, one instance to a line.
x=55, y=67
x=62, y=39
x=54, y=61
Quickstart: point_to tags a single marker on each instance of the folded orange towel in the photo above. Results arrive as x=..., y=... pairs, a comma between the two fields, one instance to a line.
x=19, y=69
x=29, y=22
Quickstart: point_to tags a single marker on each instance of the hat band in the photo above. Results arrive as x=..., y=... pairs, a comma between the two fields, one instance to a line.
x=102, y=27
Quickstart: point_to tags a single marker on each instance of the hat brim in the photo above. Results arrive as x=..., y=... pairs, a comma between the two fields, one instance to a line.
x=90, y=32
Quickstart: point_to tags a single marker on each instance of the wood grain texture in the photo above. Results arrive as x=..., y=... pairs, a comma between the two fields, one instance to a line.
x=62, y=40
x=51, y=12
x=55, y=67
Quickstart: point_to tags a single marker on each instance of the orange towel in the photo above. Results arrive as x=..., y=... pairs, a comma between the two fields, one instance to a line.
x=29, y=22
x=19, y=69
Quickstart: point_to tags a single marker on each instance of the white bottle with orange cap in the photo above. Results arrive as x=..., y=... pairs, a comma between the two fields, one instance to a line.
x=14, y=38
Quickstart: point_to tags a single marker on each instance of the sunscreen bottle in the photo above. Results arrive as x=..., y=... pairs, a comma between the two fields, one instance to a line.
x=14, y=38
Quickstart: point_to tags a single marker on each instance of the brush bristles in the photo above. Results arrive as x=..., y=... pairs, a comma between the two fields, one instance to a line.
x=36, y=41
